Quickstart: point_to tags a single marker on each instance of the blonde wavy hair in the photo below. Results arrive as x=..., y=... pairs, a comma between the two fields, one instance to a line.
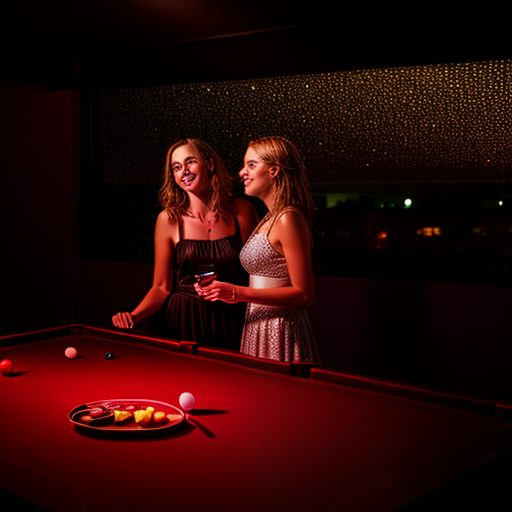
x=176, y=201
x=292, y=186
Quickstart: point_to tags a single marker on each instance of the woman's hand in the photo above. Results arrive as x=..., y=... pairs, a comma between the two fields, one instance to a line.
x=123, y=320
x=218, y=290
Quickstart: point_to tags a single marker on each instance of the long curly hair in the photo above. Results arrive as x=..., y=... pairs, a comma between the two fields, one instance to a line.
x=292, y=186
x=176, y=201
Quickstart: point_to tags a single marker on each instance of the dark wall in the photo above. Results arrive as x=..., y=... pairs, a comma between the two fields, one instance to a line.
x=453, y=337
x=37, y=207
x=106, y=287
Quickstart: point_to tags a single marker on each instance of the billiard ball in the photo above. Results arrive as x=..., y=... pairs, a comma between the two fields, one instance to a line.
x=6, y=367
x=70, y=352
x=109, y=355
x=187, y=401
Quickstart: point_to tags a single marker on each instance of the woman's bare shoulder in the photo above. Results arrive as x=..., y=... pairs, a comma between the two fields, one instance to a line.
x=291, y=221
x=291, y=214
x=165, y=223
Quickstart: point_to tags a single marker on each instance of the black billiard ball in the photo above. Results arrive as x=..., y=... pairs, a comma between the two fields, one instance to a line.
x=109, y=355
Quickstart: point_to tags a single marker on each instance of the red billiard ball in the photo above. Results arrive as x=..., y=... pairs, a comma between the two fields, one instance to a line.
x=6, y=367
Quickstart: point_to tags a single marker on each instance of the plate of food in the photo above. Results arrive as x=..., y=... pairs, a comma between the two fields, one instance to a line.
x=126, y=416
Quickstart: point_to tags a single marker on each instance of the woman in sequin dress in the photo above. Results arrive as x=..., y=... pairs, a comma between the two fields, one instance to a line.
x=277, y=257
x=201, y=224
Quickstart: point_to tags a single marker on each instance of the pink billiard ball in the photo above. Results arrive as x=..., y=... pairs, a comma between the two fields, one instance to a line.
x=187, y=401
x=6, y=367
x=70, y=352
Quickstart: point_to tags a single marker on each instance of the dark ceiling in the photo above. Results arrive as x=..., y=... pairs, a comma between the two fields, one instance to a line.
x=97, y=43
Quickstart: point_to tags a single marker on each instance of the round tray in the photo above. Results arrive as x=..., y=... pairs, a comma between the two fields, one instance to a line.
x=99, y=416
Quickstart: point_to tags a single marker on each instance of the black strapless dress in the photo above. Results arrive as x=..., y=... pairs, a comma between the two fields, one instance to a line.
x=188, y=317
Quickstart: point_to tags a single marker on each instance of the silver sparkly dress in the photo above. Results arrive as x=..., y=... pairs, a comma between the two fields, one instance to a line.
x=272, y=332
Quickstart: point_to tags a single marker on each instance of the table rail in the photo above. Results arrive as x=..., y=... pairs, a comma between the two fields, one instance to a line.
x=486, y=407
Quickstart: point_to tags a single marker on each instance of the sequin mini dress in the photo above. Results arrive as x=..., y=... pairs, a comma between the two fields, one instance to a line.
x=272, y=332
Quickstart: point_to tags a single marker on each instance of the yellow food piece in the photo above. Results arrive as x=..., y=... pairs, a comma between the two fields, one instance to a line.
x=150, y=408
x=120, y=416
x=142, y=417
x=159, y=417
x=174, y=417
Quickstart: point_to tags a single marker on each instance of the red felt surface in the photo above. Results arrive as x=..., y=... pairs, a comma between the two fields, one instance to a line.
x=256, y=440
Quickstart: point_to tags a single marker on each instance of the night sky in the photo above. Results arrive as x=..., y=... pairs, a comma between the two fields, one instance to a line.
x=433, y=123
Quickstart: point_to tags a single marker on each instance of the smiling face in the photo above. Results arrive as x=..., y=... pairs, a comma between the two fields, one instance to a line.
x=258, y=176
x=190, y=170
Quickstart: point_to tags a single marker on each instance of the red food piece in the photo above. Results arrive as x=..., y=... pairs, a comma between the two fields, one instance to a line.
x=97, y=412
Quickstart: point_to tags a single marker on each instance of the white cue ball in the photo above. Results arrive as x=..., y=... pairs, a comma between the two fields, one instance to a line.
x=187, y=401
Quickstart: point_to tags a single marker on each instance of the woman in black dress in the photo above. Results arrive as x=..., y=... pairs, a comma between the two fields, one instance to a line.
x=202, y=226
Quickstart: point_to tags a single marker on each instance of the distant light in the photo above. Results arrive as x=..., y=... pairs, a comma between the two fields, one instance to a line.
x=480, y=230
x=500, y=203
x=408, y=202
x=429, y=231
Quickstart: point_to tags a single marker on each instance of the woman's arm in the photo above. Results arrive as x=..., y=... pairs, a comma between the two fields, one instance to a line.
x=291, y=237
x=164, y=240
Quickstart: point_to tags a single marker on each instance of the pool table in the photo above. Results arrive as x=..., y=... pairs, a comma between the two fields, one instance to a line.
x=263, y=435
